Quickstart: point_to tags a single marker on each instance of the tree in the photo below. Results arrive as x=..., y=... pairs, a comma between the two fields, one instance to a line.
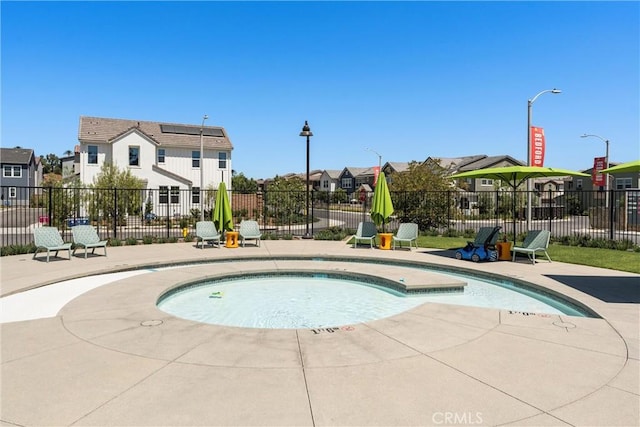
x=242, y=184
x=284, y=200
x=422, y=194
x=51, y=164
x=125, y=195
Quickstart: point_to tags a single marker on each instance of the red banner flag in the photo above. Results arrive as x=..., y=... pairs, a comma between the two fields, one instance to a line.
x=376, y=172
x=598, y=178
x=537, y=147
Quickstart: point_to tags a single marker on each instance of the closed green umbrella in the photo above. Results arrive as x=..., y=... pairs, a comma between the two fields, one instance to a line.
x=382, y=206
x=222, y=216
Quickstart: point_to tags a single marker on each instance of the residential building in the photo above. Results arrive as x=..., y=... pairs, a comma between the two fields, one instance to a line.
x=165, y=156
x=351, y=178
x=20, y=169
x=329, y=180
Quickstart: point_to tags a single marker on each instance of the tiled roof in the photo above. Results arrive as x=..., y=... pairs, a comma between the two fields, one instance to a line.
x=105, y=130
x=18, y=156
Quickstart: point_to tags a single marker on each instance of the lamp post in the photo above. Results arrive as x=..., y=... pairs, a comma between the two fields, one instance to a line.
x=205, y=117
x=379, y=158
x=606, y=161
x=306, y=131
x=529, y=105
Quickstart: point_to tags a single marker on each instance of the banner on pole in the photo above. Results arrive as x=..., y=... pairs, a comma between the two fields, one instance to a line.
x=376, y=172
x=598, y=178
x=537, y=146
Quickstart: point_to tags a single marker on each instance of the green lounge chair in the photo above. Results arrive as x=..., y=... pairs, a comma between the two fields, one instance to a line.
x=366, y=232
x=249, y=230
x=206, y=232
x=48, y=238
x=407, y=232
x=86, y=236
x=534, y=241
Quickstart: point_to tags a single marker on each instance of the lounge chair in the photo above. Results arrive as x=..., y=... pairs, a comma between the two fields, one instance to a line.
x=206, y=232
x=86, y=236
x=407, y=232
x=249, y=230
x=534, y=241
x=366, y=232
x=49, y=239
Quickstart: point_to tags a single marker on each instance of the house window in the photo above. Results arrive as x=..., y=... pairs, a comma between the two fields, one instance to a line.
x=486, y=182
x=92, y=155
x=161, y=154
x=346, y=182
x=175, y=194
x=325, y=183
x=222, y=160
x=195, y=159
x=622, y=183
x=134, y=155
x=9, y=171
x=164, y=194
x=579, y=183
x=195, y=195
x=13, y=193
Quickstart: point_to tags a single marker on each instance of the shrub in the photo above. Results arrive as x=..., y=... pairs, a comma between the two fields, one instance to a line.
x=147, y=240
x=132, y=241
x=115, y=242
x=17, y=249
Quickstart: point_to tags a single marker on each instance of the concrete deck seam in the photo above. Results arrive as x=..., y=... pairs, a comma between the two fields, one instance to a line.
x=304, y=377
x=459, y=370
x=621, y=389
x=121, y=393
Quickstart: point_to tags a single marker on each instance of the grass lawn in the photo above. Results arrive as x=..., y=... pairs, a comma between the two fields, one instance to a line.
x=595, y=257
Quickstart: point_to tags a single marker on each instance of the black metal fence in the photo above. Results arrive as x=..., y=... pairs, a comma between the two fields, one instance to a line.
x=172, y=213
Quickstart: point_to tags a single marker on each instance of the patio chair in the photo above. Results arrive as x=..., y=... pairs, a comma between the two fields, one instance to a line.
x=366, y=232
x=534, y=241
x=49, y=239
x=206, y=232
x=249, y=230
x=407, y=232
x=86, y=236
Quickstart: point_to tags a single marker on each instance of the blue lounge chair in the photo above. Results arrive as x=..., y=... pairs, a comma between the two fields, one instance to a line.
x=366, y=233
x=249, y=230
x=407, y=232
x=206, y=232
x=86, y=236
x=49, y=239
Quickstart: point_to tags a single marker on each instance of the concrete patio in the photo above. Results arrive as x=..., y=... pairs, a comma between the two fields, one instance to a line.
x=111, y=358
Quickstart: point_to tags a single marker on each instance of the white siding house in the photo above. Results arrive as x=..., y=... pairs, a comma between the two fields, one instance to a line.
x=161, y=154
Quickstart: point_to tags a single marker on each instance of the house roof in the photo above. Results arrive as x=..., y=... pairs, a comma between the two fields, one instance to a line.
x=333, y=173
x=487, y=162
x=106, y=130
x=397, y=166
x=18, y=156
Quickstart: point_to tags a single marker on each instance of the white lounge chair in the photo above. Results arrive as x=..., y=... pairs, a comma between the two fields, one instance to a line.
x=206, y=232
x=49, y=239
x=86, y=236
x=366, y=232
x=407, y=232
x=534, y=241
x=249, y=230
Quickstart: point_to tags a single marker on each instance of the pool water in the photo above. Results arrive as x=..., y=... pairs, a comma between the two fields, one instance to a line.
x=317, y=302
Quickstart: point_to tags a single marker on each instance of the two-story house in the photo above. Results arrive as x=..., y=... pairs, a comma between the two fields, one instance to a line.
x=350, y=179
x=329, y=180
x=165, y=156
x=21, y=169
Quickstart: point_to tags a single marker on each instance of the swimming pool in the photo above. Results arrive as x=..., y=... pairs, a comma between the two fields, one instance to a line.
x=298, y=299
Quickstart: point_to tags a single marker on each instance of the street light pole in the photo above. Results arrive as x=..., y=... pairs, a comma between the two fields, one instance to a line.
x=205, y=117
x=306, y=131
x=529, y=105
x=606, y=161
x=379, y=158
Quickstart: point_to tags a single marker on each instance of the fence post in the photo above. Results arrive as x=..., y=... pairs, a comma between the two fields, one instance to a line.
x=551, y=213
x=612, y=216
x=50, y=213
x=312, y=210
x=115, y=213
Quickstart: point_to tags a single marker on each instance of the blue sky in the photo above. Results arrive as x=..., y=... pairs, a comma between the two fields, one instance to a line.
x=407, y=79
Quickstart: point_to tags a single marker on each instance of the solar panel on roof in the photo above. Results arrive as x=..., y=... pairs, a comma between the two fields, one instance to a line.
x=191, y=130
